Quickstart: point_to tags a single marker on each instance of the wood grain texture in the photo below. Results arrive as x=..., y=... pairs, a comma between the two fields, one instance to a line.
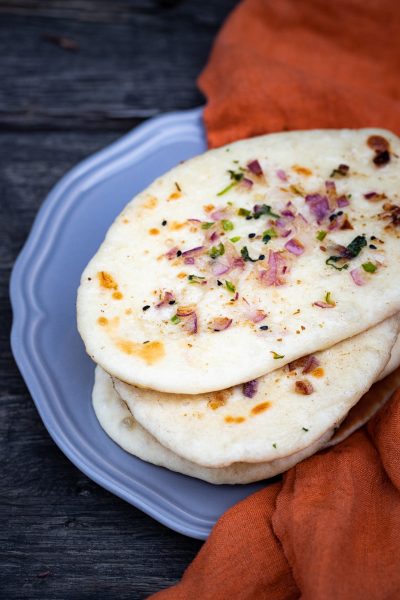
x=134, y=60
x=62, y=537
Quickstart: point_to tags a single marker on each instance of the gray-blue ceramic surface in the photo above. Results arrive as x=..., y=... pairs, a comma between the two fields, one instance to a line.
x=68, y=229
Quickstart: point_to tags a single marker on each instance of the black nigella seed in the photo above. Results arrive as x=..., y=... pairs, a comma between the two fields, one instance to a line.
x=248, y=218
x=372, y=247
x=146, y=307
x=171, y=302
x=373, y=237
x=339, y=214
x=179, y=253
x=261, y=257
x=252, y=235
x=164, y=223
x=332, y=217
x=219, y=282
x=264, y=327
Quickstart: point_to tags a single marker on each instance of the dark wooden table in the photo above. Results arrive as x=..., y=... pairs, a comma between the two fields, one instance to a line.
x=75, y=75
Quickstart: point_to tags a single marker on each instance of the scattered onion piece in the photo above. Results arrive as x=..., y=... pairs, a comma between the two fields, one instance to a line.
x=166, y=299
x=247, y=183
x=190, y=324
x=288, y=214
x=250, y=388
x=280, y=173
x=357, y=276
x=193, y=251
x=330, y=187
x=220, y=323
x=276, y=268
x=218, y=214
x=322, y=304
x=303, y=386
x=318, y=206
x=171, y=253
x=342, y=201
x=257, y=316
x=255, y=167
x=294, y=246
x=185, y=311
x=306, y=363
x=214, y=236
x=374, y=196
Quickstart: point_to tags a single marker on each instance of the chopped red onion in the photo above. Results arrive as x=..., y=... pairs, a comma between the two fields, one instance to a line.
x=357, y=276
x=338, y=249
x=257, y=316
x=171, y=253
x=378, y=143
x=281, y=224
x=294, y=246
x=280, y=173
x=255, y=167
x=185, y=311
x=189, y=260
x=276, y=264
x=218, y=214
x=311, y=364
x=193, y=251
x=214, y=236
x=342, y=201
x=301, y=217
x=322, y=304
x=250, y=388
x=330, y=187
x=219, y=267
x=190, y=323
x=306, y=363
x=238, y=263
x=230, y=261
x=318, y=206
x=220, y=323
x=288, y=214
x=304, y=387
x=247, y=183
x=194, y=220
x=374, y=196
x=166, y=299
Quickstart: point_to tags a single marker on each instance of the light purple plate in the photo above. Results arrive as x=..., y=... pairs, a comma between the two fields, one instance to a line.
x=68, y=230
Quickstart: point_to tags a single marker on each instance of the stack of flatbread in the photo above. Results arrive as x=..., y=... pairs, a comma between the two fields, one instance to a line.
x=245, y=304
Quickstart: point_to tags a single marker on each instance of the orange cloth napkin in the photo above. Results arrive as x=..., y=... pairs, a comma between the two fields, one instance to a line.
x=331, y=529
x=303, y=64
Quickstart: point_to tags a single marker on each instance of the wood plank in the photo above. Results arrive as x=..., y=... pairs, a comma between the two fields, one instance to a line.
x=133, y=60
x=53, y=519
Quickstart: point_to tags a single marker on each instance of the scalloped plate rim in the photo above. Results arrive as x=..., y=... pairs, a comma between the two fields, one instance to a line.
x=53, y=208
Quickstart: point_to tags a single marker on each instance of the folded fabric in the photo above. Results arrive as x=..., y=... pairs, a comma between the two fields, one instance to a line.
x=331, y=529
x=286, y=65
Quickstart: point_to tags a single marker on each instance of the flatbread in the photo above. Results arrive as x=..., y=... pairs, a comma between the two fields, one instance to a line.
x=367, y=407
x=221, y=428
x=394, y=361
x=118, y=422
x=155, y=311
